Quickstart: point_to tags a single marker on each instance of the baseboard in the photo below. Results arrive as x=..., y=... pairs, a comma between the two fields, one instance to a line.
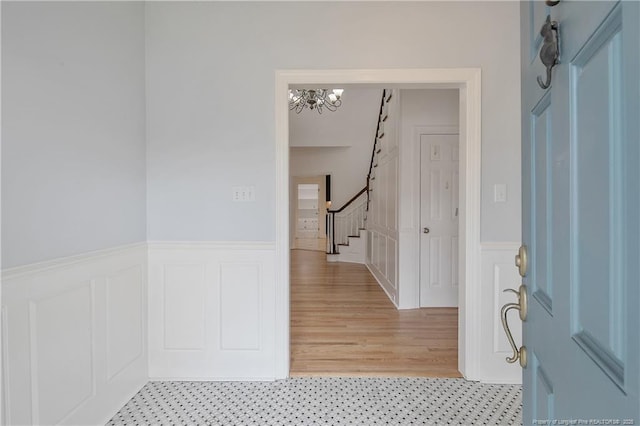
x=74, y=338
x=502, y=382
x=215, y=379
x=123, y=399
x=389, y=295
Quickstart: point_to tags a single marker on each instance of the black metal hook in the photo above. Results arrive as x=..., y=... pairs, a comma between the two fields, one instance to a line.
x=550, y=51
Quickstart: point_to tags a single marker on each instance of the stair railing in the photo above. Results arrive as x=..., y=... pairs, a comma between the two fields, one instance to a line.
x=386, y=97
x=346, y=221
x=350, y=219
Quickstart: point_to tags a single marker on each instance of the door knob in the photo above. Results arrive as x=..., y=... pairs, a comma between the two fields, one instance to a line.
x=426, y=230
x=522, y=306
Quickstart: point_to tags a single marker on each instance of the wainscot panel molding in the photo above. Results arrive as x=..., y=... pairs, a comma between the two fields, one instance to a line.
x=74, y=336
x=498, y=274
x=212, y=310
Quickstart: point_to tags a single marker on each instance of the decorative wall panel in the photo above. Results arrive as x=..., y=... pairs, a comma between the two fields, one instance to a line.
x=74, y=337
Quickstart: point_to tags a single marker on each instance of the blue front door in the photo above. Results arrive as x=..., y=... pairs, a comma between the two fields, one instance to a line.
x=580, y=214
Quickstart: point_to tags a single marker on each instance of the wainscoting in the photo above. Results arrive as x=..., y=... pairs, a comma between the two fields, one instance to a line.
x=74, y=337
x=211, y=311
x=83, y=334
x=498, y=274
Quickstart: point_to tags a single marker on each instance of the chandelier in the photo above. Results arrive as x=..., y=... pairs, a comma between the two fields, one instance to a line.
x=317, y=99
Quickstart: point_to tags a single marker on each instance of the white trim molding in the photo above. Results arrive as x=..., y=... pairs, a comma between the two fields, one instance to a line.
x=68, y=261
x=211, y=245
x=211, y=310
x=468, y=81
x=74, y=336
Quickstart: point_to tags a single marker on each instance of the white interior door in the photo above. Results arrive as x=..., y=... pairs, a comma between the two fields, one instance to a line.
x=439, y=220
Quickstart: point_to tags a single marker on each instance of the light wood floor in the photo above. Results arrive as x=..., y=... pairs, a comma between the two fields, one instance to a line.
x=318, y=244
x=343, y=324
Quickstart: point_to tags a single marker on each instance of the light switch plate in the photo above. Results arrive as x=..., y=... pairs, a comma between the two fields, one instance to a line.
x=243, y=193
x=500, y=193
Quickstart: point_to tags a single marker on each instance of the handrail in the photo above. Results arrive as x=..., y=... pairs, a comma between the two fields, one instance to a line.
x=355, y=197
x=375, y=139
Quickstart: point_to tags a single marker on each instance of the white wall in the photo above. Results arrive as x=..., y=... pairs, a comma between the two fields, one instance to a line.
x=73, y=128
x=432, y=107
x=210, y=69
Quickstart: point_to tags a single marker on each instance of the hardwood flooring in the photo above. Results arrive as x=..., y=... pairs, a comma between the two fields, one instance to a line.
x=343, y=324
x=317, y=244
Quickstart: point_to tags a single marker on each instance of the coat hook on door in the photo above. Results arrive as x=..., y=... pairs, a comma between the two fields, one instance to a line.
x=550, y=51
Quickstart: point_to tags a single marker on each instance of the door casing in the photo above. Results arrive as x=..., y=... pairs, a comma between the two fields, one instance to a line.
x=468, y=81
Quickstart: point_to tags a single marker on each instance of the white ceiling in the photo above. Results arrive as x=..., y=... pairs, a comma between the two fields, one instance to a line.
x=353, y=123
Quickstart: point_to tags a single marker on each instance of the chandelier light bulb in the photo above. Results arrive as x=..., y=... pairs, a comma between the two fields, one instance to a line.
x=338, y=92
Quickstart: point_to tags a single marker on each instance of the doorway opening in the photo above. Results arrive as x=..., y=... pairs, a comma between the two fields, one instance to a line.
x=344, y=316
x=308, y=213
x=467, y=81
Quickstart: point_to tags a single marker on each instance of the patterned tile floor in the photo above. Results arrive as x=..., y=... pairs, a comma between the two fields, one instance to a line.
x=324, y=401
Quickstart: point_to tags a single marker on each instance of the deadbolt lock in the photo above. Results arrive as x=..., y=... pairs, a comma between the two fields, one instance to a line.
x=522, y=261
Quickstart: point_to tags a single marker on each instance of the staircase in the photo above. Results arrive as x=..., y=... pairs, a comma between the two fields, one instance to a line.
x=354, y=250
x=347, y=234
x=347, y=237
